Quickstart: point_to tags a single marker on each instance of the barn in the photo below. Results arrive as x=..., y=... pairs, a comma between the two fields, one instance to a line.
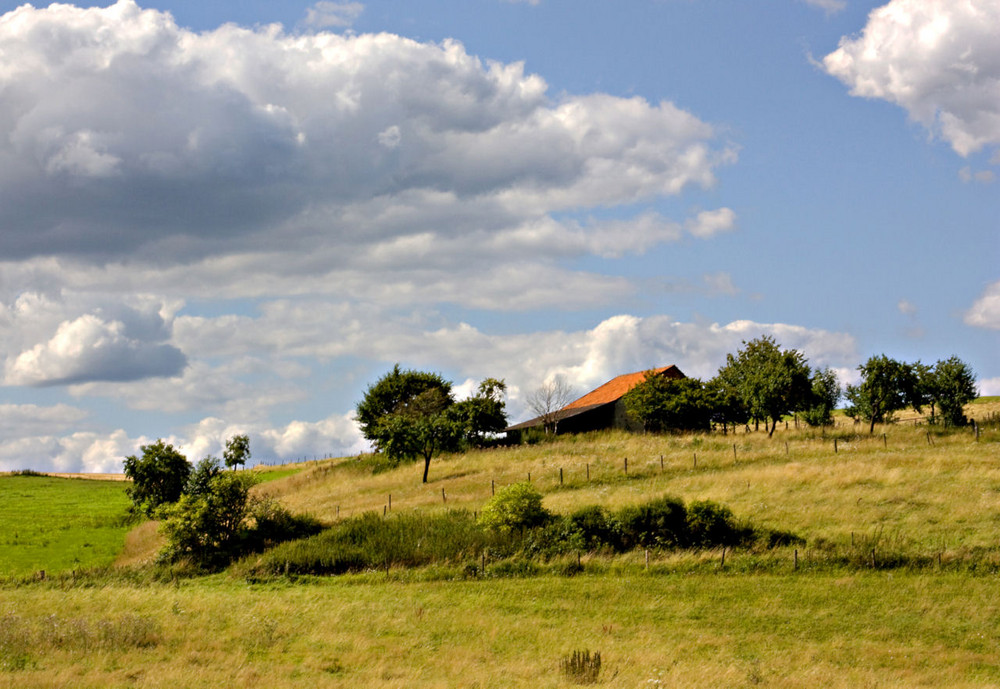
x=598, y=409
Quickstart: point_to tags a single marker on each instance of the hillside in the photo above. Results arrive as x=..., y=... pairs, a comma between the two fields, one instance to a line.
x=932, y=488
x=789, y=617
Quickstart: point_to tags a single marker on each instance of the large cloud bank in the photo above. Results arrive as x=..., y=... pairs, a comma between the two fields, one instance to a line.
x=938, y=59
x=130, y=136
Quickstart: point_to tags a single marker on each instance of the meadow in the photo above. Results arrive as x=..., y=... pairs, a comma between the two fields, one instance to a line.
x=822, y=613
x=57, y=524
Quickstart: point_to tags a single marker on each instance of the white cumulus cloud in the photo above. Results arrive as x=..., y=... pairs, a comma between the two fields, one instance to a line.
x=938, y=59
x=985, y=312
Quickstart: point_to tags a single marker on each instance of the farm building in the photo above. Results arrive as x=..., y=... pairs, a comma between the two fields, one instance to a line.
x=601, y=408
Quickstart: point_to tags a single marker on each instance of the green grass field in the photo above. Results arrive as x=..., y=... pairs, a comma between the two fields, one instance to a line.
x=929, y=618
x=58, y=524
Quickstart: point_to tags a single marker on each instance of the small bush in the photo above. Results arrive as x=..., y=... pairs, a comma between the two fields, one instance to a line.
x=597, y=528
x=660, y=523
x=711, y=524
x=517, y=506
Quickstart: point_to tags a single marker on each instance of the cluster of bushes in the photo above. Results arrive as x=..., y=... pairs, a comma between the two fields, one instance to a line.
x=513, y=523
x=663, y=523
x=208, y=515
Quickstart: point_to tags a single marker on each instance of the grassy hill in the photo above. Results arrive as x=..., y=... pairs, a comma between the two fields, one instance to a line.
x=56, y=524
x=683, y=620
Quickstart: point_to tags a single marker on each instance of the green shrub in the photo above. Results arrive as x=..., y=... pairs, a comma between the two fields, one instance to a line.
x=597, y=528
x=711, y=524
x=517, y=506
x=660, y=523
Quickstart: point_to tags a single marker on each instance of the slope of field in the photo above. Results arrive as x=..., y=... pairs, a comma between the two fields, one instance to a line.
x=783, y=618
x=55, y=524
x=937, y=490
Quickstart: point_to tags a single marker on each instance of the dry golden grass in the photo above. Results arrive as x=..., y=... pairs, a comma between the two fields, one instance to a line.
x=693, y=631
x=938, y=490
x=684, y=622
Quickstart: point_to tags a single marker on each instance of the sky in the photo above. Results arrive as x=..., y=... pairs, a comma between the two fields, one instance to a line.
x=232, y=217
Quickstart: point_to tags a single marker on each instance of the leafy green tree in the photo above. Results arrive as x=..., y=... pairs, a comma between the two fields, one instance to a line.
x=727, y=405
x=420, y=427
x=769, y=381
x=663, y=404
x=237, y=451
x=484, y=414
x=205, y=527
x=158, y=476
x=950, y=385
x=391, y=394
x=886, y=387
x=824, y=397
x=200, y=481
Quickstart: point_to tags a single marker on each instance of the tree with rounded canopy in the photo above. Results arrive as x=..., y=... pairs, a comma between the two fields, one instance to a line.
x=158, y=477
x=769, y=381
x=949, y=386
x=393, y=393
x=664, y=404
x=886, y=387
x=237, y=451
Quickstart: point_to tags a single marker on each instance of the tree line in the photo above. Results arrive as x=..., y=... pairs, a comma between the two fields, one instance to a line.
x=409, y=415
x=763, y=383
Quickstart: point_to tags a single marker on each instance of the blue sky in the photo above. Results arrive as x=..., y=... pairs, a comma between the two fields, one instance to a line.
x=221, y=217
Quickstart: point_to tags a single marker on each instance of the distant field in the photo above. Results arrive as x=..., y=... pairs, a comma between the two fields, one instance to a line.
x=57, y=524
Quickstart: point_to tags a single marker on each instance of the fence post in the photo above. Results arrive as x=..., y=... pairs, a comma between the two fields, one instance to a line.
x=443, y=497
x=560, y=476
x=493, y=487
x=626, y=466
x=588, y=471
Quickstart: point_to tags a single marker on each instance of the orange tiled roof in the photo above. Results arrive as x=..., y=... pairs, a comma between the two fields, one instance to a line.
x=616, y=388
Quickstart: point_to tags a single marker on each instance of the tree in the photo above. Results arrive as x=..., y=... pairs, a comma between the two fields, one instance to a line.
x=158, y=476
x=548, y=400
x=200, y=480
x=950, y=385
x=484, y=414
x=663, y=404
x=422, y=427
x=204, y=527
x=824, y=396
x=727, y=405
x=391, y=394
x=237, y=451
x=770, y=382
x=886, y=386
